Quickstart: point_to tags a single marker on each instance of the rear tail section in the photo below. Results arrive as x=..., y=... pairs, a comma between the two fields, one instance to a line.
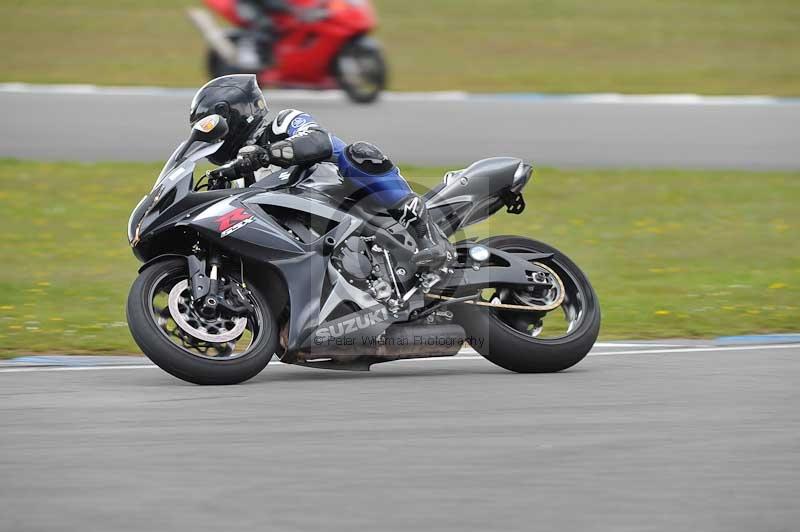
x=468, y=196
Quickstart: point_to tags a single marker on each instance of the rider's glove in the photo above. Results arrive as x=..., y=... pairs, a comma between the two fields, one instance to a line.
x=251, y=158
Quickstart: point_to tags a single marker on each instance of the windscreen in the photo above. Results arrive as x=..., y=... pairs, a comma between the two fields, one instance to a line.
x=178, y=170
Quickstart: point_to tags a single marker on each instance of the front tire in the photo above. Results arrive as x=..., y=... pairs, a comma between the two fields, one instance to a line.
x=497, y=336
x=220, y=364
x=360, y=71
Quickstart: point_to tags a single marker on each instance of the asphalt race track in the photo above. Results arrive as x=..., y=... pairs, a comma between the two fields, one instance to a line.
x=451, y=130
x=664, y=436
x=649, y=437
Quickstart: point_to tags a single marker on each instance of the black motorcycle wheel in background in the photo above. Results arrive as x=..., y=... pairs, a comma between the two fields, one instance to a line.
x=534, y=342
x=168, y=330
x=217, y=66
x=360, y=70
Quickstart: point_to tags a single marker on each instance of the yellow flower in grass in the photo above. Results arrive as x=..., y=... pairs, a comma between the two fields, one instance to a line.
x=662, y=313
x=777, y=286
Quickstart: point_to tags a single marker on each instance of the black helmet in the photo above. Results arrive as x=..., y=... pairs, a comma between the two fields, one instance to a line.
x=240, y=101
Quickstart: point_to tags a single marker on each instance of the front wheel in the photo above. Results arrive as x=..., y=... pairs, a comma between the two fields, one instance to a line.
x=203, y=349
x=360, y=71
x=531, y=341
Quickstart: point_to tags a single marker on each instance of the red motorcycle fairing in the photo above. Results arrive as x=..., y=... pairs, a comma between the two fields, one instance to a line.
x=226, y=9
x=347, y=14
x=305, y=50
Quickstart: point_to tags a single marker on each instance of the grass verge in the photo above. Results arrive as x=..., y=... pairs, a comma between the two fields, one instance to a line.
x=706, y=46
x=671, y=253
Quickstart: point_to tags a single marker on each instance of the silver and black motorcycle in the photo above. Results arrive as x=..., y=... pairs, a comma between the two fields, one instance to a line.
x=296, y=266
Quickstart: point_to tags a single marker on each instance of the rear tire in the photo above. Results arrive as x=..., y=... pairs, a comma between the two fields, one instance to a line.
x=218, y=67
x=181, y=363
x=516, y=351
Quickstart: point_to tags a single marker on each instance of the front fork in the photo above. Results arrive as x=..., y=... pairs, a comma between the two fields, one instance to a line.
x=211, y=292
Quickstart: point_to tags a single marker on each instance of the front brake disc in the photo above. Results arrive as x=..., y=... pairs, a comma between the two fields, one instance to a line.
x=218, y=331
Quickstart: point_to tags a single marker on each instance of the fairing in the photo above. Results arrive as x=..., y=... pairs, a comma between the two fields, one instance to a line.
x=265, y=240
x=176, y=176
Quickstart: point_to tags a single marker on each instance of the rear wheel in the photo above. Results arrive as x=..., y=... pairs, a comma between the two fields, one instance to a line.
x=216, y=349
x=360, y=71
x=217, y=66
x=530, y=341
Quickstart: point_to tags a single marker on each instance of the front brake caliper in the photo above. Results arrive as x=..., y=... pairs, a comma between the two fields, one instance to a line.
x=198, y=280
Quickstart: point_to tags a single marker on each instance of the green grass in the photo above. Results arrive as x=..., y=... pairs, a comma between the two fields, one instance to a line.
x=707, y=46
x=671, y=253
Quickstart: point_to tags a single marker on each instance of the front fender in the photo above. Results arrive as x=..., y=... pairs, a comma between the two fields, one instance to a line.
x=160, y=258
x=368, y=42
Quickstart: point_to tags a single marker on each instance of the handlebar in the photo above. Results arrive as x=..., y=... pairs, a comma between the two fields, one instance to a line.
x=241, y=165
x=227, y=172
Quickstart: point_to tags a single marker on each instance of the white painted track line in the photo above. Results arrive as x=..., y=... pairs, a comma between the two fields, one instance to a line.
x=699, y=350
x=636, y=344
x=469, y=356
x=435, y=96
x=32, y=369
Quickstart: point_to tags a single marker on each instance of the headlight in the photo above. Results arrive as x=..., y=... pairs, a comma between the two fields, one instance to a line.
x=135, y=219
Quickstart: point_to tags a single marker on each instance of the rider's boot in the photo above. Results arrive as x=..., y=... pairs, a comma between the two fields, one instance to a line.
x=432, y=245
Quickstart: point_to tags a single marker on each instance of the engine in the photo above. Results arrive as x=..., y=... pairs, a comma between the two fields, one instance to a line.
x=373, y=269
x=365, y=266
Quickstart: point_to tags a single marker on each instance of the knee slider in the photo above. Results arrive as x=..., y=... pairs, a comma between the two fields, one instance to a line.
x=368, y=158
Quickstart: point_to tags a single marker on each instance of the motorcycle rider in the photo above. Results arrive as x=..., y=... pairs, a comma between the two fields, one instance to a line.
x=295, y=138
x=255, y=46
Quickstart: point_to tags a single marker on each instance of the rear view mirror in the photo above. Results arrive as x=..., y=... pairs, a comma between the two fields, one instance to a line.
x=210, y=129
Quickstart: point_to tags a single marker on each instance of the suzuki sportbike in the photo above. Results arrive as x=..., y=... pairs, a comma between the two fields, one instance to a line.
x=299, y=266
x=320, y=45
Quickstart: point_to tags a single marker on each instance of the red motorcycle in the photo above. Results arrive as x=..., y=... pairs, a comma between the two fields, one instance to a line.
x=320, y=45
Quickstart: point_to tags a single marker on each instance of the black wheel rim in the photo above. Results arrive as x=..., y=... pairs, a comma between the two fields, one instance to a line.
x=362, y=72
x=239, y=347
x=556, y=324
